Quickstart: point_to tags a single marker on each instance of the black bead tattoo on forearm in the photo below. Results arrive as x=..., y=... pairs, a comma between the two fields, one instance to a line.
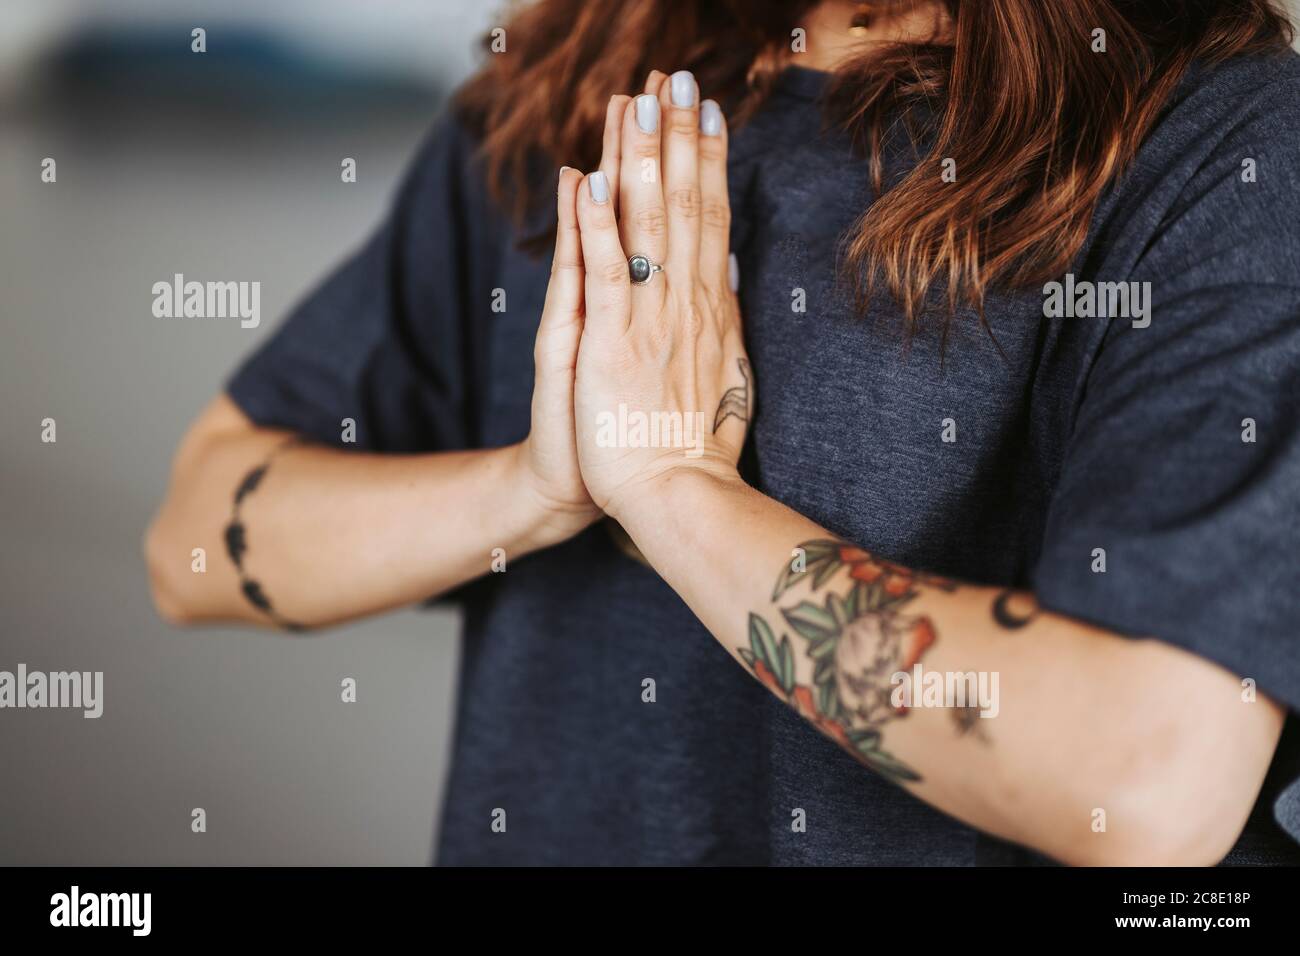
x=236, y=539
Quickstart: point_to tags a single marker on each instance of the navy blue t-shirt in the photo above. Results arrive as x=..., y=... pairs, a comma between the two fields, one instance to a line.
x=1073, y=434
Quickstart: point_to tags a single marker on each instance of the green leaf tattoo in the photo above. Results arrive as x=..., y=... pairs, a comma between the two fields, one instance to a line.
x=855, y=638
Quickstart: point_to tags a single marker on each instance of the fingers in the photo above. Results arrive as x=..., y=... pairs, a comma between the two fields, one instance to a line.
x=607, y=288
x=661, y=192
x=654, y=81
x=715, y=204
x=564, y=293
x=642, y=220
x=612, y=147
x=679, y=99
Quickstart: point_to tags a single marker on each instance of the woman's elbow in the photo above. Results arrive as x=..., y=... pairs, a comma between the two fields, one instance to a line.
x=1174, y=813
x=180, y=582
x=171, y=598
x=1183, y=770
x=1153, y=838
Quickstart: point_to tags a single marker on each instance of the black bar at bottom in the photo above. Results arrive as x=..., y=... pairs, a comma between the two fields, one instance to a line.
x=914, y=907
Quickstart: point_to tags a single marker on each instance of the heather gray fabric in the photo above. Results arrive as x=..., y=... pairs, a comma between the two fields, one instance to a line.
x=1073, y=434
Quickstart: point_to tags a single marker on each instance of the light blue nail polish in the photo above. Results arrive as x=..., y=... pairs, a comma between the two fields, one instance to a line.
x=599, y=186
x=647, y=113
x=710, y=118
x=683, y=87
x=733, y=272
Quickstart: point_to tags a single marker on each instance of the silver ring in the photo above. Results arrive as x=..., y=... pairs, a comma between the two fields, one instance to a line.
x=641, y=270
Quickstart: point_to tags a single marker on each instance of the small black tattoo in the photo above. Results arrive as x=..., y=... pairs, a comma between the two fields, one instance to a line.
x=1014, y=609
x=236, y=538
x=735, y=400
x=969, y=723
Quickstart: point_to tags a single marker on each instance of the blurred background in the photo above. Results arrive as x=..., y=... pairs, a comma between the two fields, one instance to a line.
x=224, y=165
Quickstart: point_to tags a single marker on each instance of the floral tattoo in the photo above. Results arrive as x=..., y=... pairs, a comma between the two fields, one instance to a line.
x=857, y=640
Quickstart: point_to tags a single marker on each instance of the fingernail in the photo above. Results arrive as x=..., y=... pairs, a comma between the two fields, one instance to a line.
x=683, y=87
x=733, y=272
x=599, y=186
x=710, y=118
x=647, y=112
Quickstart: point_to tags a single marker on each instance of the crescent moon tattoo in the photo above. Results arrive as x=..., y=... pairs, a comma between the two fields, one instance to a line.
x=1017, y=617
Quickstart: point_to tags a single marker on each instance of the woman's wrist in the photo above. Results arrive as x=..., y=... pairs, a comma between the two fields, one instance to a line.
x=672, y=493
x=536, y=519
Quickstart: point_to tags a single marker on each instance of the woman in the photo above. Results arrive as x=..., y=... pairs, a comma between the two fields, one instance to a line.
x=1014, y=524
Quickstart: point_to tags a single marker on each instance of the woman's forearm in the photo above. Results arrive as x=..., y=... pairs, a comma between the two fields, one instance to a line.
x=1094, y=748
x=326, y=535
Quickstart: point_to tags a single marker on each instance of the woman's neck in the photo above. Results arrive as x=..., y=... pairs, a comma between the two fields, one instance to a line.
x=832, y=41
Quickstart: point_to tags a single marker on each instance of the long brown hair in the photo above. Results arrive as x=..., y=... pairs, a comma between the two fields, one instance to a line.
x=1036, y=122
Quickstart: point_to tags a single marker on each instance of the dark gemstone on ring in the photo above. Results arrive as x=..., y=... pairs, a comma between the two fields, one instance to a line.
x=639, y=268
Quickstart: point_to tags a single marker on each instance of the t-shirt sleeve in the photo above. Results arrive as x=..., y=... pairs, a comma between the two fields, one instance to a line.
x=1184, y=462
x=385, y=340
x=1183, y=467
